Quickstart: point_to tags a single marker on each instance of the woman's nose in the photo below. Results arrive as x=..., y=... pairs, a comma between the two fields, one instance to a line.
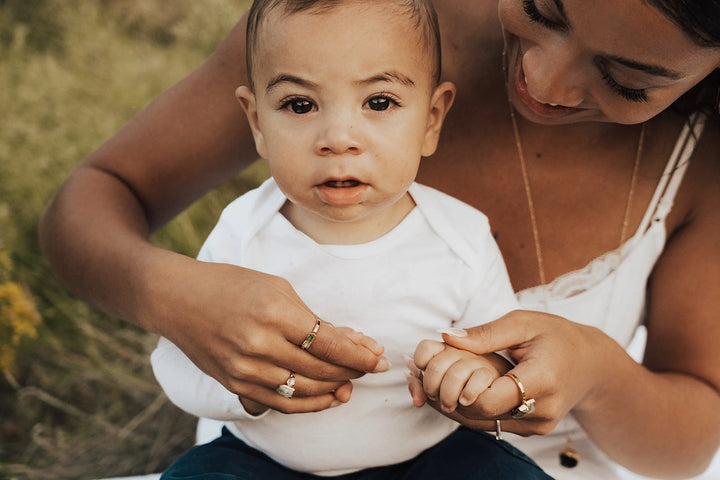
x=340, y=135
x=553, y=75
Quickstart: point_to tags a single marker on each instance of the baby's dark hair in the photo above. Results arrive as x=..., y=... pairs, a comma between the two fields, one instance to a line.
x=700, y=20
x=422, y=11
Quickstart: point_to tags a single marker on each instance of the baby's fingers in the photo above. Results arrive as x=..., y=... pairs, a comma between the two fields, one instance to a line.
x=478, y=382
x=425, y=351
x=462, y=381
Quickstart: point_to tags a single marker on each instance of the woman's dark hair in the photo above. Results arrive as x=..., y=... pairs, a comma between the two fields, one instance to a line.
x=700, y=20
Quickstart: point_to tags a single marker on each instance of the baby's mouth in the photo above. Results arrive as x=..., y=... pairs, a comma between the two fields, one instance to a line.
x=349, y=183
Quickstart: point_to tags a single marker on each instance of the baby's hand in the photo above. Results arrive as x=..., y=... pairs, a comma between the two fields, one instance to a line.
x=451, y=376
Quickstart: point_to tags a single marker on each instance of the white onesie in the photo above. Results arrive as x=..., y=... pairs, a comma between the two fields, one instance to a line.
x=439, y=268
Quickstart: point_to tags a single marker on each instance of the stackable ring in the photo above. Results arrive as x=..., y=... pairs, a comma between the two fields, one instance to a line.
x=288, y=388
x=527, y=405
x=311, y=336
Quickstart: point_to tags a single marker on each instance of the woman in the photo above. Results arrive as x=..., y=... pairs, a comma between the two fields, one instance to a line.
x=564, y=152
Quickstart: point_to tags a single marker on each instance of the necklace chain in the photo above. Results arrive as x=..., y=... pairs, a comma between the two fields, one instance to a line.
x=568, y=456
x=529, y=196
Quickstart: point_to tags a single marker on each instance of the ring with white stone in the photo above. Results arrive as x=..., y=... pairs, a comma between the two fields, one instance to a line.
x=527, y=405
x=288, y=388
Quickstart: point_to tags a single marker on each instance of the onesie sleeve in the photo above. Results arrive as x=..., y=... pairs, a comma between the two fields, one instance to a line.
x=190, y=389
x=493, y=294
x=185, y=384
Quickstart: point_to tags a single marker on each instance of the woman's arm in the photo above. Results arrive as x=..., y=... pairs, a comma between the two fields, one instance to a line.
x=228, y=320
x=675, y=403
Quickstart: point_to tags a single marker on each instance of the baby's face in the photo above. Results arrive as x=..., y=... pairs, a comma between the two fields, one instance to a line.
x=342, y=108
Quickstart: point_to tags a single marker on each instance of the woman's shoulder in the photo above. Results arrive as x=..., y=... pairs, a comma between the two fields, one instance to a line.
x=703, y=178
x=698, y=196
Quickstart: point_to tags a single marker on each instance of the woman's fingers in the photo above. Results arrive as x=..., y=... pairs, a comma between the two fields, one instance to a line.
x=507, y=332
x=301, y=327
x=267, y=375
x=267, y=398
x=360, y=338
x=246, y=329
x=559, y=365
x=359, y=353
x=256, y=399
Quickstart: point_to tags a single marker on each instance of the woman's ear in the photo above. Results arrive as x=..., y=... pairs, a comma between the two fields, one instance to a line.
x=247, y=100
x=440, y=102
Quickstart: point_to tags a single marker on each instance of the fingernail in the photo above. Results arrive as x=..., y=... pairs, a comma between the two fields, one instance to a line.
x=453, y=332
x=382, y=366
x=464, y=401
x=335, y=403
x=447, y=409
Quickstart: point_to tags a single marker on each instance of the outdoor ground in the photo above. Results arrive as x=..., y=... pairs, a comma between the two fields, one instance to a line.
x=77, y=397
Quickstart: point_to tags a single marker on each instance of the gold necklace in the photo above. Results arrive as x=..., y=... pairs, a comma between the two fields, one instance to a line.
x=568, y=456
x=531, y=204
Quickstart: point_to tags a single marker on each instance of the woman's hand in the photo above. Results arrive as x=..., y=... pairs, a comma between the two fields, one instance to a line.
x=245, y=328
x=558, y=361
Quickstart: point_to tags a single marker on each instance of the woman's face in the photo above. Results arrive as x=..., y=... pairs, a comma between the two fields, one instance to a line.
x=619, y=61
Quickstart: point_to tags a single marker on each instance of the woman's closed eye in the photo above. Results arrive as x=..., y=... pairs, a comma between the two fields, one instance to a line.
x=631, y=94
x=535, y=16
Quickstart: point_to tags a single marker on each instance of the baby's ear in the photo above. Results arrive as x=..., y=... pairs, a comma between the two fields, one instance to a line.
x=247, y=100
x=440, y=102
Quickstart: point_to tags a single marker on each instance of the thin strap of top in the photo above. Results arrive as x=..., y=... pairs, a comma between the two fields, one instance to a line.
x=675, y=169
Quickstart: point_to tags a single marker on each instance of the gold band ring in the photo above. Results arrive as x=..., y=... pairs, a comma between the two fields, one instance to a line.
x=498, y=430
x=287, y=389
x=311, y=336
x=527, y=405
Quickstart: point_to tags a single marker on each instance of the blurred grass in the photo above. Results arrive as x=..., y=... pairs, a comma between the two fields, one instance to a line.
x=78, y=400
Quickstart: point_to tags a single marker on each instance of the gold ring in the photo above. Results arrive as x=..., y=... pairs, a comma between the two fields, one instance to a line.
x=527, y=405
x=311, y=336
x=498, y=430
x=287, y=389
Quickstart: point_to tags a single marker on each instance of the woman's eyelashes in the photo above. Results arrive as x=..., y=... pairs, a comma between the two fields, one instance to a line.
x=630, y=94
x=535, y=16
x=302, y=105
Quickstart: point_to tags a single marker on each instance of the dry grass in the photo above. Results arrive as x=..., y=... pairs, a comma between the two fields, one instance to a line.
x=81, y=402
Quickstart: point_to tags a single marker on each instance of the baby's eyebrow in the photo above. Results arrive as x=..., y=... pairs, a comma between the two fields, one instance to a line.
x=387, y=77
x=286, y=78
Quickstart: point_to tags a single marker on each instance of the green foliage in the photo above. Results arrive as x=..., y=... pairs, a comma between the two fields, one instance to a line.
x=78, y=399
x=18, y=317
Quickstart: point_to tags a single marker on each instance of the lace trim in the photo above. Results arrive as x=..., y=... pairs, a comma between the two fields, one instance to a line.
x=579, y=281
x=575, y=282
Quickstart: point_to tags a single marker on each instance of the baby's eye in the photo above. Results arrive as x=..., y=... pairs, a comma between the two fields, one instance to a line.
x=380, y=103
x=299, y=105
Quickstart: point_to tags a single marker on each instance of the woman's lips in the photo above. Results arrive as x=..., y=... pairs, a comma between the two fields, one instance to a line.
x=342, y=192
x=521, y=90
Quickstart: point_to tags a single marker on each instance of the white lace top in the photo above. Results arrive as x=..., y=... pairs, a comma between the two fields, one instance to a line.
x=608, y=293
